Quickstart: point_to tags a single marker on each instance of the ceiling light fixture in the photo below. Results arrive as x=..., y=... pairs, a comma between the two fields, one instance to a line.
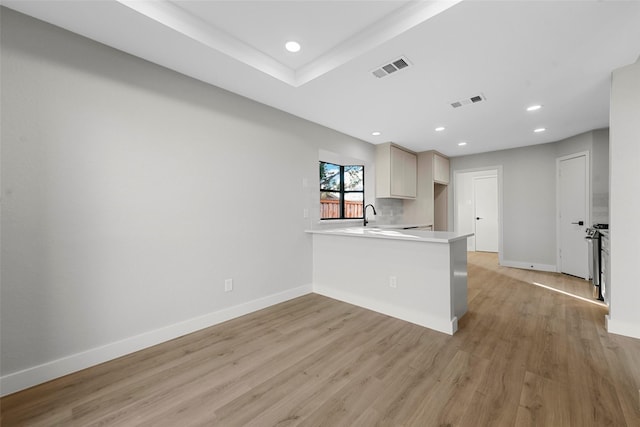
x=439, y=129
x=534, y=107
x=292, y=46
x=376, y=133
x=462, y=144
x=539, y=130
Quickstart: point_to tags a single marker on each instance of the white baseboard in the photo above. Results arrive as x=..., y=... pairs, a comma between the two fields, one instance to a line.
x=622, y=328
x=529, y=265
x=447, y=326
x=47, y=371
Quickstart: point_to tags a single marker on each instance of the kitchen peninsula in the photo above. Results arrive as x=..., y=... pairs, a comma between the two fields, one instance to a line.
x=417, y=276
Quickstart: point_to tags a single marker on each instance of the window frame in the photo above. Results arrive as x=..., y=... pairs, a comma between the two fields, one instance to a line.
x=342, y=192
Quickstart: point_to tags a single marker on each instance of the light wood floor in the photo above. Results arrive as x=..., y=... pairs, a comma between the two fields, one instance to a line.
x=524, y=355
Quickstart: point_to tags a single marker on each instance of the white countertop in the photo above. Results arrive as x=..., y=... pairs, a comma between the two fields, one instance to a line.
x=394, y=234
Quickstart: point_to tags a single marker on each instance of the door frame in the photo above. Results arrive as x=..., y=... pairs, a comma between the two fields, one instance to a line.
x=587, y=208
x=489, y=170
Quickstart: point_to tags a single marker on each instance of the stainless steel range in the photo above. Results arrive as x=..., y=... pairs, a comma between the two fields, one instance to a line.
x=595, y=271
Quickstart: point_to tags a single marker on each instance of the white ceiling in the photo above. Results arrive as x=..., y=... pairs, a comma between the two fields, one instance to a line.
x=515, y=53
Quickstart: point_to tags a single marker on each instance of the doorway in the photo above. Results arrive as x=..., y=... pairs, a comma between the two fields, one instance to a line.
x=464, y=206
x=572, y=192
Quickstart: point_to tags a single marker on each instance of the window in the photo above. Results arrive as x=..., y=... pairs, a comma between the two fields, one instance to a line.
x=341, y=191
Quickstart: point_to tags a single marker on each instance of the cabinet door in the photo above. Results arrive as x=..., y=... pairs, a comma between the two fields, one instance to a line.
x=403, y=173
x=410, y=174
x=397, y=171
x=440, y=169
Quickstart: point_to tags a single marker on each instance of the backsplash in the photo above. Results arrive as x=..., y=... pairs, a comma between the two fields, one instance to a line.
x=390, y=211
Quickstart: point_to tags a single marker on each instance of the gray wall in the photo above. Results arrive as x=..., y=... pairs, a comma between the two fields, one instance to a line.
x=130, y=193
x=529, y=194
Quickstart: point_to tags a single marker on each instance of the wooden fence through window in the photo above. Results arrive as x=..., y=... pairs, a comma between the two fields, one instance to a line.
x=331, y=209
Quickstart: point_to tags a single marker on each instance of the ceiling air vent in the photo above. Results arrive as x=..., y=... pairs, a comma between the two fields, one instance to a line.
x=468, y=101
x=391, y=67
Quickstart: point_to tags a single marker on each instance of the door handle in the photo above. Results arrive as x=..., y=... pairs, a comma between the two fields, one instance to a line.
x=477, y=218
x=578, y=223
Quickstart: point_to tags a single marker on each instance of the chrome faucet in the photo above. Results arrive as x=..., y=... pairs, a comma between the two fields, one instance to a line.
x=365, y=213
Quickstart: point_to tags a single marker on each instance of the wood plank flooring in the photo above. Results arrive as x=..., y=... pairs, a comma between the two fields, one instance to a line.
x=524, y=356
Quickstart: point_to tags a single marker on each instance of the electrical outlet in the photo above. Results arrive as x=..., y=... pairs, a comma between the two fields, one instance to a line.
x=228, y=285
x=393, y=282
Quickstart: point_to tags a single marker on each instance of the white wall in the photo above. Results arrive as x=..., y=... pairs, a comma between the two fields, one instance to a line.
x=528, y=195
x=130, y=193
x=624, y=289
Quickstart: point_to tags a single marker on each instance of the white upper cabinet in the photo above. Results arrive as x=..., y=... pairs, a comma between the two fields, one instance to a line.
x=403, y=173
x=396, y=170
x=440, y=169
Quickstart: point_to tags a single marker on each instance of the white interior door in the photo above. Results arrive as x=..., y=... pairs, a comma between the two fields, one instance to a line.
x=573, y=215
x=485, y=190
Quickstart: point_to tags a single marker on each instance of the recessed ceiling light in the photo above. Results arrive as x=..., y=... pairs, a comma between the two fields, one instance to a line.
x=462, y=144
x=376, y=133
x=539, y=130
x=534, y=107
x=292, y=46
x=439, y=129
